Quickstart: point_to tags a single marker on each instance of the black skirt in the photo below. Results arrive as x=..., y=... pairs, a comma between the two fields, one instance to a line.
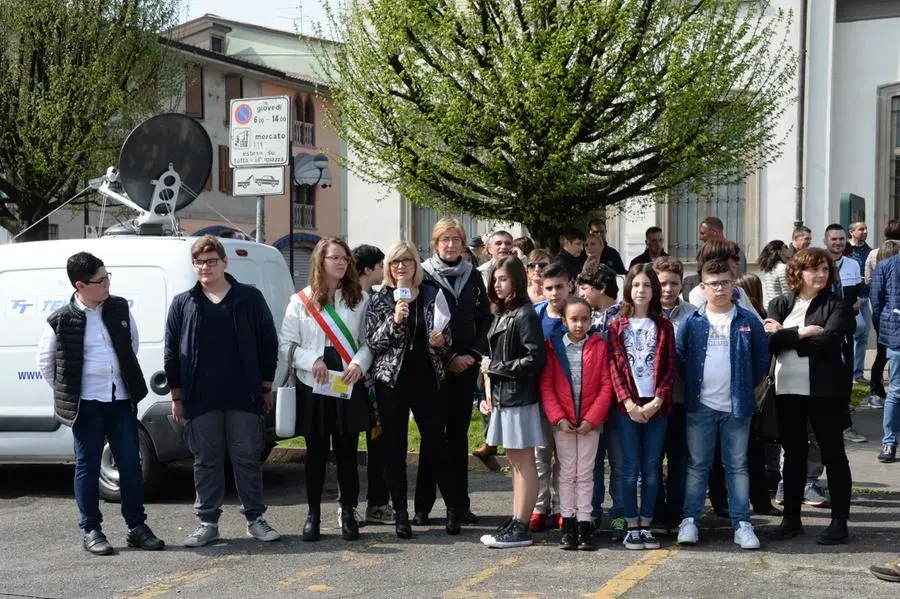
x=322, y=415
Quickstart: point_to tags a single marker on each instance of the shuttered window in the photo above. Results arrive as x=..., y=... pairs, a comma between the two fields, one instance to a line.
x=193, y=92
x=727, y=202
x=234, y=89
x=224, y=170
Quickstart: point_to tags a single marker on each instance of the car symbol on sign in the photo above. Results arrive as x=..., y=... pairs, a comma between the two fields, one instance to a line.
x=246, y=182
x=267, y=180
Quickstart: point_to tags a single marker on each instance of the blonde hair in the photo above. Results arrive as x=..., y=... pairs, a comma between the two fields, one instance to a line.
x=397, y=251
x=446, y=224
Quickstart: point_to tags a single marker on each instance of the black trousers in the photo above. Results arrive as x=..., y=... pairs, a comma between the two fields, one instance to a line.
x=828, y=418
x=756, y=469
x=417, y=391
x=876, y=387
x=377, y=488
x=458, y=390
x=345, y=450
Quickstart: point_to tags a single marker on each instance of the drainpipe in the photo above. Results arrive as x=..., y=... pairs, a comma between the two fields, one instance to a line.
x=801, y=116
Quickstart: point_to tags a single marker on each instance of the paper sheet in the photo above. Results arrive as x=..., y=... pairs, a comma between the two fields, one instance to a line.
x=335, y=387
x=441, y=312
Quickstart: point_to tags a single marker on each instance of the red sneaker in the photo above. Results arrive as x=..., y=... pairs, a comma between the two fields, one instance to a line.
x=557, y=521
x=536, y=523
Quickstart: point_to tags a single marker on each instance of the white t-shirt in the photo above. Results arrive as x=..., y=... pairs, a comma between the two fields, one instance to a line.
x=640, y=344
x=715, y=391
x=848, y=269
x=792, y=370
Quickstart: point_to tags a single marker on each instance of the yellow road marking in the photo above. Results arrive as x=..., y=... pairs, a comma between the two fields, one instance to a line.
x=464, y=589
x=301, y=575
x=619, y=584
x=319, y=587
x=164, y=586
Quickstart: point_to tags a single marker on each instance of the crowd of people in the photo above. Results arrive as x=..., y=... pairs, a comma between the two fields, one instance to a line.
x=567, y=371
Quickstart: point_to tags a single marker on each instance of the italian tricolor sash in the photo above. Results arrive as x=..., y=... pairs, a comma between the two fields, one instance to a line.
x=342, y=339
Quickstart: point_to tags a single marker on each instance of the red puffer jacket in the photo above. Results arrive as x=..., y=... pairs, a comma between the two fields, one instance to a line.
x=596, y=386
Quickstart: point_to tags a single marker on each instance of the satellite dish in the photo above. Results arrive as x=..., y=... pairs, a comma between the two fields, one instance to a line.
x=165, y=163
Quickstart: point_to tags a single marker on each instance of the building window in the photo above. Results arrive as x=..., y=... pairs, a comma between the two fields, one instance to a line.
x=423, y=220
x=53, y=232
x=193, y=92
x=895, y=157
x=225, y=170
x=728, y=202
x=304, y=206
x=234, y=90
x=304, y=123
x=217, y=45
x=887, y=155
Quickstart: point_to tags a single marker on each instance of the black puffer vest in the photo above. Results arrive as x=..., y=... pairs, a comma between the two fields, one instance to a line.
x=69, y=324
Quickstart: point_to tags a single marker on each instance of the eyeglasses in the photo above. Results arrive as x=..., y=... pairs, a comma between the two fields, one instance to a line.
x=404, y=262
x=104, y=280
x=210, y=262
x=344, y=259
x=538, y=264
x=718, y=284
x=450, y=240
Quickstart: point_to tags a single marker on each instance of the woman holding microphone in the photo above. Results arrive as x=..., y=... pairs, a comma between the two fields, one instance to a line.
x=410, y=362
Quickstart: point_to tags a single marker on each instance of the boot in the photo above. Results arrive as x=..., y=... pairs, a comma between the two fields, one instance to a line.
x=569, y=539
x=421, y=519
x=788, y=529
x=453, y=525
x=311, y=528
x=586, y=536
x=401, y=524
x=835, y=534
x=349, y=525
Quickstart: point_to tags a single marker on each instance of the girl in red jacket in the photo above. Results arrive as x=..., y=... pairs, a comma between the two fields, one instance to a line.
x=576, y=393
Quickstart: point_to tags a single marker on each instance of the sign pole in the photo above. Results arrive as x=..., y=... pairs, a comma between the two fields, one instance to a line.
x=261, y=219
x=291, y=214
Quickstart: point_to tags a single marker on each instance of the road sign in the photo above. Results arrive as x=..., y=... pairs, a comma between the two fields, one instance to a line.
x=260, y=132
x=259, y=181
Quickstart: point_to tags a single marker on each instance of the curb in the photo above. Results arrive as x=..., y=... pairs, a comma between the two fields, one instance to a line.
x=295, y=455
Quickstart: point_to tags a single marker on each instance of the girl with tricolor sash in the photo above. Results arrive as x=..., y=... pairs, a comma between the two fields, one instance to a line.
x=324, y=329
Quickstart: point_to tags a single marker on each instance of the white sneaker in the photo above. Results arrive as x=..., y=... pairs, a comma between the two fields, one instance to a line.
x=205, y=534
x=745, y=537
x=380, y=514
x=260, y=530
x=688, y=533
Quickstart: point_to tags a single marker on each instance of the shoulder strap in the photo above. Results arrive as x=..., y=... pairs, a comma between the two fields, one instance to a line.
x=330, y=326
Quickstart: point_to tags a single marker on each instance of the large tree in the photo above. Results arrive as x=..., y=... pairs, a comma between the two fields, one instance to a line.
x=541, y=111
x=74, y=79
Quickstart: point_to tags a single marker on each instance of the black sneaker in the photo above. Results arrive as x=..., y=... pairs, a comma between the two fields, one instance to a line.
x=650, y=542
x=517, y=535
x=888, y=454
x=95, y=542
x=488, y=538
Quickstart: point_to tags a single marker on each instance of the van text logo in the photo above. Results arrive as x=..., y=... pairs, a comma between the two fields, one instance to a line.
x=24, y=306
x=21, y=306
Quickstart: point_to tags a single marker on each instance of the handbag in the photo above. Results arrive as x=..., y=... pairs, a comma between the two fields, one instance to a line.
x=286, y=400
x=766, y=419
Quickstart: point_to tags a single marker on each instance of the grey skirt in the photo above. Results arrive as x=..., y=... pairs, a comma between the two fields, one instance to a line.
x=516, y=428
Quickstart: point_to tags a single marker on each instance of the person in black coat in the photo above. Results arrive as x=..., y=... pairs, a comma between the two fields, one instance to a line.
x=470, y=319
x=809, y=331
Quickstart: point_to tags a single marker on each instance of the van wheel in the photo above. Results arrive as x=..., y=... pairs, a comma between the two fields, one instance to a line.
x=109, y=472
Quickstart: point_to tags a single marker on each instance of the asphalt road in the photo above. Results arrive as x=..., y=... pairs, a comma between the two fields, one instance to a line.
x=41, y=556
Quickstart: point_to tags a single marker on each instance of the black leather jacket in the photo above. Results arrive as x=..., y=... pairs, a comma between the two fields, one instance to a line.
x=518, y=354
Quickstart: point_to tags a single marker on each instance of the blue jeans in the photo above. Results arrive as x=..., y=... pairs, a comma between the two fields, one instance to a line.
x=114, y=421
x=642, y=446
x=861, y=337
x=609, y=445
x=891, y=418
x=703, y=425
x=670, y=498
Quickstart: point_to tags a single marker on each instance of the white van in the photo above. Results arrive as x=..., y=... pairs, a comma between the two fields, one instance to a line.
x=148, y=272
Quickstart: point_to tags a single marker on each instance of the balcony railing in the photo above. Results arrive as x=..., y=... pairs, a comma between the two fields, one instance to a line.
x=304, y=133
x=304, y=216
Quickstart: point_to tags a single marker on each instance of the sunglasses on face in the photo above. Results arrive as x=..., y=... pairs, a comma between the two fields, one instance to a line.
x=538, y=264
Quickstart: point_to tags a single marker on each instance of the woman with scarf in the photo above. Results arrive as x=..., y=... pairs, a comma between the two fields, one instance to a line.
x=470, y=319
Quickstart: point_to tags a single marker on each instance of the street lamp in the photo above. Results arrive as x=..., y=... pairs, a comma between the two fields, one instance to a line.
x=306, y=171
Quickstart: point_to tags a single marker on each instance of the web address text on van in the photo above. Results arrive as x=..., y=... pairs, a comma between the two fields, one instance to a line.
x=30, y=375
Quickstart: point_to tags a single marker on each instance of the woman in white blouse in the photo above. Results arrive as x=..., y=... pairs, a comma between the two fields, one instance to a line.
x=772, y=262
x=324, y=329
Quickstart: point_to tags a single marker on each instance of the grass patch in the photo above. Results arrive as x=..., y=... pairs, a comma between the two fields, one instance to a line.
x=414, y=439
x=859, y=395
x=873, y=492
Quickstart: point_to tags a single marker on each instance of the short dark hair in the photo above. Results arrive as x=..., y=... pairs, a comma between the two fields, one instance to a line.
x=717, y=249
x=713, y=222
x=574, y=300
x=801, y=231
x=669, y=264
x=555, y=270
x=524, y=243
x=892, y=229
x=809, y=258
x=516, y=272
x=206, y=244
x=599, y=276
x=571, y=234
x=82, y=267
x=715, y=267
x=651, y=230
x=366, y=256
x=834, y=227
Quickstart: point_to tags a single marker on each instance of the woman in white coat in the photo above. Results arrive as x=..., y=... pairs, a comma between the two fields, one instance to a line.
x=324, y=328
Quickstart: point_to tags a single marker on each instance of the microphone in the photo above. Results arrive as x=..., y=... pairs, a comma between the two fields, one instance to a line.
x=402, y=294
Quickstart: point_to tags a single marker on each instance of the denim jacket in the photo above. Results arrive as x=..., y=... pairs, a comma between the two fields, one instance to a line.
x=749, y=358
